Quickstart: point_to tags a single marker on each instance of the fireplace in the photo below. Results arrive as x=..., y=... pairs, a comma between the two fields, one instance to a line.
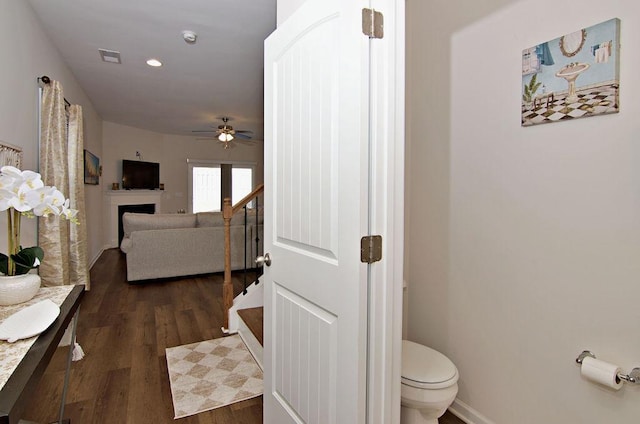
x=128, y=198
x=144, y=208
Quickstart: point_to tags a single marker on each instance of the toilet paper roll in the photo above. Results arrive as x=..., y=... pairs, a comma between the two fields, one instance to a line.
x=601, y=372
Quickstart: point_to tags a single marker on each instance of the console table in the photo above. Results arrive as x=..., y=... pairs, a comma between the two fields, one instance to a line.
x=24, y=362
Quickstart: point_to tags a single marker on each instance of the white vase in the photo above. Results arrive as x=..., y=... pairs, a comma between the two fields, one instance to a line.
x=18, y=288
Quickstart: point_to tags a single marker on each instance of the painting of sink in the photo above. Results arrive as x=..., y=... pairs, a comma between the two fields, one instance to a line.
x=570, y=73
x=573, y=76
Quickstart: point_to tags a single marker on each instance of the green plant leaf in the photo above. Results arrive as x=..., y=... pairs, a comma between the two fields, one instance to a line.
x=531, y=88
x=4, y=263
x=535, y=88
x=26, y=258
x=527, y=94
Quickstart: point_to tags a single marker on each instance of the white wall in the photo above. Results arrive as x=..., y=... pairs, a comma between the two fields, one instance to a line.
x=26, y=55
x=430, y=26
x=172, y=152
x=523, y=243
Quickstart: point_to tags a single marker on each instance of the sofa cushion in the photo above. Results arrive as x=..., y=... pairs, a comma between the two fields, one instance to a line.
x=209, y=219
x=143, y=221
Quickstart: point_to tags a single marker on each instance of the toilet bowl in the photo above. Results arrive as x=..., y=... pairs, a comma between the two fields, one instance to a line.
x=429, y=384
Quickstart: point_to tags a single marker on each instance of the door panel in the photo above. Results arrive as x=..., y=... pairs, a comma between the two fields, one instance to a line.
x=305, y=371
x=305, y=193
x=316, y=191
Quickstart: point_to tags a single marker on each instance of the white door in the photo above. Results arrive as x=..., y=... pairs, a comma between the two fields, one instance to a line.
x=316, y=197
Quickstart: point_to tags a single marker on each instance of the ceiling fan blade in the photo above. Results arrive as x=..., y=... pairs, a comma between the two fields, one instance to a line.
x=250, y=143
x=240, y=135
x=204, y=131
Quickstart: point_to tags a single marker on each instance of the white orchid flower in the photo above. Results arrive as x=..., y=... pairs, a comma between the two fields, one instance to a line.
x=57, y=198
x=25, y=192
x=12, y=171
x=69, y=213
x=46, y=201
x=21, y=200
x=5, y=198
x=7, y=182
x=32, y=179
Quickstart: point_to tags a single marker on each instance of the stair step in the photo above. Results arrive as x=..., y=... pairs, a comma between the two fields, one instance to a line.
x=253, y=318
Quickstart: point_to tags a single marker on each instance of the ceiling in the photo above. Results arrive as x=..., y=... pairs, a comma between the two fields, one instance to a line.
x=220, y=75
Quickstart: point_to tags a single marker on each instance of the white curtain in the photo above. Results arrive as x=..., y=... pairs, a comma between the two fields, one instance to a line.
x=61, y=165
x=78, y=258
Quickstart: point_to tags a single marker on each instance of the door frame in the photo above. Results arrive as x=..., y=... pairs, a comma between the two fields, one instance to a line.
x=387, y=148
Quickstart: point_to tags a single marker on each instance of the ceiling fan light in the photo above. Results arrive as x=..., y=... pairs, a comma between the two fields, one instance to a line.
x=225, y=137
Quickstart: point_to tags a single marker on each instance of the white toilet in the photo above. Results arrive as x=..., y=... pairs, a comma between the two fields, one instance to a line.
x=429, y=384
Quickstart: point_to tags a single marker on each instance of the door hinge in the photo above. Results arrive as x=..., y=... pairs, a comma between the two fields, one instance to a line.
x=372, y=23
x=370, y=249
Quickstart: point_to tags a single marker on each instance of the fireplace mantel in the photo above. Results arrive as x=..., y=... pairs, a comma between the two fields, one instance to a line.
x=115, y=198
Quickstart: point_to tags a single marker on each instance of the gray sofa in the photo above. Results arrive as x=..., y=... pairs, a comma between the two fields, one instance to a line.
x=172, y=245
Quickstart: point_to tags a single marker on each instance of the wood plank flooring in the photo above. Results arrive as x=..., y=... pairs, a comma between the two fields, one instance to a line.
x=124, y=330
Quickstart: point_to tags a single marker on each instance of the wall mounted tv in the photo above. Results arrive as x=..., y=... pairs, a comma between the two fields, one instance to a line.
x=138, y=175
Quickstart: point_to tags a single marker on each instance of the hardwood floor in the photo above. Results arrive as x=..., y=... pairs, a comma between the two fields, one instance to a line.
x=124, y=330
x=449, y=418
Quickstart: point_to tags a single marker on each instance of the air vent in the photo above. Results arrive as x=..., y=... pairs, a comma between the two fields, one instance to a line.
x=110, y=56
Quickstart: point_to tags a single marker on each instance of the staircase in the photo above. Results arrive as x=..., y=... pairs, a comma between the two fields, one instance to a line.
x=244, y=313
x=246, y=317
x=250, y=328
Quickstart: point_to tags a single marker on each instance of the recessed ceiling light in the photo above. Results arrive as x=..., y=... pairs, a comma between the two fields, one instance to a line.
x=154, y=62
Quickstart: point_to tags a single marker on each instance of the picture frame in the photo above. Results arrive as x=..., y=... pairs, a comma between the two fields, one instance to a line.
x=573, y=76
x=91, y=168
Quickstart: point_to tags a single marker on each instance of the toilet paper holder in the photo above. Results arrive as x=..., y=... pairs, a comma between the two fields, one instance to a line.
x=632, y=377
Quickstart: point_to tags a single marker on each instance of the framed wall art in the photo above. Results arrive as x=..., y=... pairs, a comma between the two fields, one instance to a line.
x=573, y=76
x=91, y=168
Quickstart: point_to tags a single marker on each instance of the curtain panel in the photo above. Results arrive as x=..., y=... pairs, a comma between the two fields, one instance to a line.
x=78, y=261
x=61, y=165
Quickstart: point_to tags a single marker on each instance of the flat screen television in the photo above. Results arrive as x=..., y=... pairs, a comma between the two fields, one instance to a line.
x=138, y=175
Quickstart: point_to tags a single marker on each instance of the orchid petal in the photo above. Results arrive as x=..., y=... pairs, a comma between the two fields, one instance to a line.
x=32, y=179
x=57, y=198
x=12, y=171
x=7, y=182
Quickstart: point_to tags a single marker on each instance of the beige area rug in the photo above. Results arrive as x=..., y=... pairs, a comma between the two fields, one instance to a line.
x=212, y=374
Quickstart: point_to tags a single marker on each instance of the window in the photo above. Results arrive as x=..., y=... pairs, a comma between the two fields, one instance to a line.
x=241, y=183
x=207, y=184
x=210, y=182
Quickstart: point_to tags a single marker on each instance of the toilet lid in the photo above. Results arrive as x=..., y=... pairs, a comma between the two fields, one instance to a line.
x=423, y=367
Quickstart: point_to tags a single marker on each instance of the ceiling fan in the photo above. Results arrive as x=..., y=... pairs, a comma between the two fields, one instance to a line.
x=225, y=133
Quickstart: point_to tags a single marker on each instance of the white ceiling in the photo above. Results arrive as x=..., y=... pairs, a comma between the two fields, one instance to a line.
x=221, y=75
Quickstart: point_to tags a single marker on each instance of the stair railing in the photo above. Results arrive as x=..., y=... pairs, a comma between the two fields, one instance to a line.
x=251, y=255
x=227, y=213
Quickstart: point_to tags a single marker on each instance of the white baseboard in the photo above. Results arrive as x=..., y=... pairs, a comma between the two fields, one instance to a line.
x=467, y=413
x=95, y=258
x=252, y=299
